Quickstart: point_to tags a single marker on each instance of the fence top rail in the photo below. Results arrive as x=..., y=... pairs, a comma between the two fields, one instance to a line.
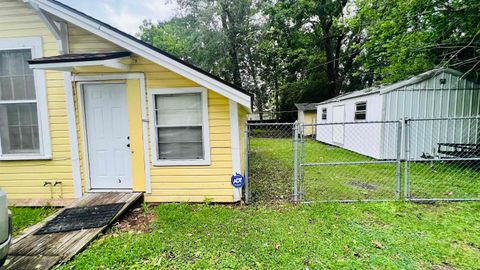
x=270, y=124
x=342, y=163
x=443, y=159
x=349, y=123
x=444, y=118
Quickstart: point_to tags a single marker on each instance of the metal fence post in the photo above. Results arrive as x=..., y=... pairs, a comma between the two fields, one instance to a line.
x=398, y=174
x=295, y=162
x=406, y=141
x=300, y=165
x=247, y=180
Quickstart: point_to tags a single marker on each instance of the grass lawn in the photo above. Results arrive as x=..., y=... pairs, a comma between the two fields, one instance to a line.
x=393, y=235
x=24, y=217
x=271, y=175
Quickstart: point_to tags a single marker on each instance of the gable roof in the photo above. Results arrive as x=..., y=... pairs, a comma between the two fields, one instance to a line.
x=391, y=87
x=145, y=50
x=306, y=106
x=419, y=78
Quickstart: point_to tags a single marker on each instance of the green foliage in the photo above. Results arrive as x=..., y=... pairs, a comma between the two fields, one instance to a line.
x=23, y=217
x=186, y=39
x=409, y=37
x=323, y=236
x=289, y=51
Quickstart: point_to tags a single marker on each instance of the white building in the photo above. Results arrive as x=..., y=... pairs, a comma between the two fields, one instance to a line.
x=436, y=94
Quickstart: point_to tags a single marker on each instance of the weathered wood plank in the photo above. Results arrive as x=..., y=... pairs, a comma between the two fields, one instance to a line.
x=29, y=251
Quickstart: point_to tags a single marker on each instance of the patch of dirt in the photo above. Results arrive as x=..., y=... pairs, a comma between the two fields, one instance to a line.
x=136, y=220
x=444, y=266
x=473, y=247
x=363, y=185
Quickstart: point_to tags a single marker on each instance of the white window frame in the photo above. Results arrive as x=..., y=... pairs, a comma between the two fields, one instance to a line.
x=36, y=48
x=357, y=111
x=205, y=129
x=326, y=114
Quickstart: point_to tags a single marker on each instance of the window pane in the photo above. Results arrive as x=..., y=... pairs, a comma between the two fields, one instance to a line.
x=179, y=109
x=19, y=128
x=324, y=114
x=6, y=88
x=360, y=116
x=16, y=78
x=361, y=106
x=180, y=143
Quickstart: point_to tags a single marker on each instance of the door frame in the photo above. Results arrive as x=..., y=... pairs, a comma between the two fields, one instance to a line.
x=79, y=81
x=86, y=155
x=343, y=125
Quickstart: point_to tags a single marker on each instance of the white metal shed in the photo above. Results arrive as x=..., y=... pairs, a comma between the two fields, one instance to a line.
x=436, y=94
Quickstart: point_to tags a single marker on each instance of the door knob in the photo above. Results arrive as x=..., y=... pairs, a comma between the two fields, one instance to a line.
x=128, y=145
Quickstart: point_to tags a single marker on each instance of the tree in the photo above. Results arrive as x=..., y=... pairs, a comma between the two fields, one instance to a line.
x=409, y=37
x=314, y=46
x=289, y=51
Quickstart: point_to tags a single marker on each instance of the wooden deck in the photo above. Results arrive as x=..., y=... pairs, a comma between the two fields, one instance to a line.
x=29, y=251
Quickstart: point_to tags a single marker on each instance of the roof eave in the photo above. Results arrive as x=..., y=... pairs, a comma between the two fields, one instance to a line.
x=148, y=53
x=70, y=66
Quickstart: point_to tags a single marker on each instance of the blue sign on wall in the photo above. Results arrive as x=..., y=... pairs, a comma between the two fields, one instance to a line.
x=238, y=180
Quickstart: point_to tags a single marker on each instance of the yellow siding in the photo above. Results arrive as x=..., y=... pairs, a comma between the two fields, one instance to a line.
x=82, y=41
x=136, y=136
x=180, y=183
x=25, y=179
x=199, y=183
x=310, y=117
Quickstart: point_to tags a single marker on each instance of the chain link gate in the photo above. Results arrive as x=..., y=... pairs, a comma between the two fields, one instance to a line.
x=350, y=161
x=269, y=162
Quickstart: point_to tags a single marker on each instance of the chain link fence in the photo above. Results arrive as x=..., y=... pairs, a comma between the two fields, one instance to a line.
x=270, y=162
x=442, y=159
x=413, y=159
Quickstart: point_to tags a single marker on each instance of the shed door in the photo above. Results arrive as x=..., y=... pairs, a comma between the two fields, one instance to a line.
x=106, y=116
x=338, y=129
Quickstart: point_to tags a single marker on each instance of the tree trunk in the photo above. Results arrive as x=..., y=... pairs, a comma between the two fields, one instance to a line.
x=330, y=55
x=231, y=32
x=277, y=100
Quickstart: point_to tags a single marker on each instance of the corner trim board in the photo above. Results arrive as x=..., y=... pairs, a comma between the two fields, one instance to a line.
x=72, y=132
x=235, y=140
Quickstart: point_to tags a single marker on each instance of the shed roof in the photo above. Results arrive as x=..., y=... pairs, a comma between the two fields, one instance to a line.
x=306, y=106
x=387, y=88
x=79, y=57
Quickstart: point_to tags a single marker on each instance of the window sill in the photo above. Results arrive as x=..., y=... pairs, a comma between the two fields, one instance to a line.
x=162, y=163
x=24, y=157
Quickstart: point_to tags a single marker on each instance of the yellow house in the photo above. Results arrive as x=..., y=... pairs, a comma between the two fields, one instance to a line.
x=86, y=108
x=307, y=114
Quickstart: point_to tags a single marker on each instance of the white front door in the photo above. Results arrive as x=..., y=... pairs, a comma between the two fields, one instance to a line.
x=338, y=129
x=107, y=136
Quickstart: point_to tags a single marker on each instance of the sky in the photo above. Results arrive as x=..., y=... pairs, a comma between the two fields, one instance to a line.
x=126, y=15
